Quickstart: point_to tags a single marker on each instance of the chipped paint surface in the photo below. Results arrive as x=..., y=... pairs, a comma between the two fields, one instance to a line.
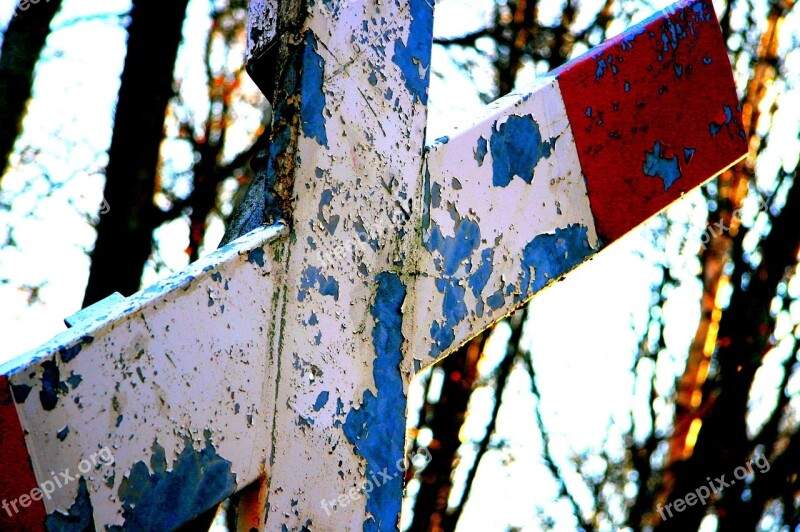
x=355, y=209
x=483, y=256
x=281, y=362
x=153, y=370
x=193, y=482
x=377, y=427
x=662, y=90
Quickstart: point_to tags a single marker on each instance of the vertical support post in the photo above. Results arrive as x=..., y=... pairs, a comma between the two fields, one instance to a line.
x=345, y=165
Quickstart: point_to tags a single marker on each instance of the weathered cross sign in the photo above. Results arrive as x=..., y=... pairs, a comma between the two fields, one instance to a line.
x=280, y=363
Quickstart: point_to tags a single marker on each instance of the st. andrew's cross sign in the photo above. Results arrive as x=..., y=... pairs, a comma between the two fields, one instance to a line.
x=278, y=366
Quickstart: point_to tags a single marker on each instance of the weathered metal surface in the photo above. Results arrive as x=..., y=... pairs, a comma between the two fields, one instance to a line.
x=173, y=384
x=507, y=214
x=547, y=177
x=654, y=112
x=285, y=361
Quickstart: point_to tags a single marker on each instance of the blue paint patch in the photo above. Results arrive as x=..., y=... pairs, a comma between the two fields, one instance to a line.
x=322, y=399
x=313, y=107
x=377, y=429
x=256, y=256
x=707, y=60
x=74, y=380
x=167, y=498
x=630, y=37
x=678, y=70
x=454, y=310
x=455, y=249
x=517, y=146
x=414, y=58
x=589, y=111
x=548, y=256
x=20, y=392
x=454, y=252
x=217, y=277
x=313, y=320
x=702, y=12
x=443, y=140
x=62, y=434
x=601, y=69
x=656, y=165
x=373, y=79
x=688, y=153
x=672, y=34
x=496, y=300
x=481, y=150
x=436, y=195
x=715, y=127
x=312, y=276
x=627, y=87
x=68, y=354
x=389, y=94
x=478, y=279
x=78, y=518
x=52, y=386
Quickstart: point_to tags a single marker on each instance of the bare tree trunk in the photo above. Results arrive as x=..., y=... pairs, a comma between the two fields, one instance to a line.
x=23, y=42
x=124, y=234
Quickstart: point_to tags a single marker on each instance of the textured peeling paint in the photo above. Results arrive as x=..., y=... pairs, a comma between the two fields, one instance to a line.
x=414, y=57
x=52, y=386
x=377, y=428
x=162, y=497
x=79, y=516
x=517, y=147
x=322, y=400
x=454, y=250
x=673, y=88
x=481, y=150
x=256, y=256
x=658, y=164
x=451, y=254
x=69, y=353
x=313, y=277
x=478, y=279
x=312, y=112
x=547, y=257
x=21, y=392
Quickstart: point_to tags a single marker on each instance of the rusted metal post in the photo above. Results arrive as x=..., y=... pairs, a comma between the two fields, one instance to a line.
x=284, y=358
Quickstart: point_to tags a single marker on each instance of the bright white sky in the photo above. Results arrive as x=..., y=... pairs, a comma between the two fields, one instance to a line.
x=582, y=332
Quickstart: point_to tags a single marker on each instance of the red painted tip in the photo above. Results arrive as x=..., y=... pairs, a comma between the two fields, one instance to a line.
x=16, y=473
x=654, y=112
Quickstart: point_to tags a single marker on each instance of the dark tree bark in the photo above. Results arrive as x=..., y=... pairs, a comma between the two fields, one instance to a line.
x=445, y=417
x=23, y=42
x=744, y=338
x=124, y=234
